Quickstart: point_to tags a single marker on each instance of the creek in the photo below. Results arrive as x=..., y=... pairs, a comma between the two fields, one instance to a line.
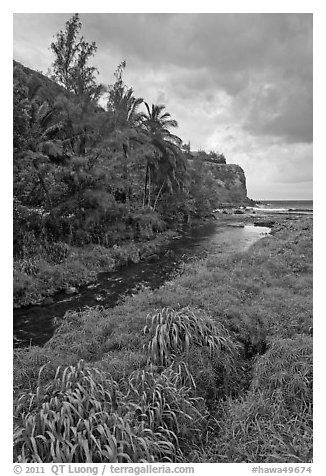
x=33, y=325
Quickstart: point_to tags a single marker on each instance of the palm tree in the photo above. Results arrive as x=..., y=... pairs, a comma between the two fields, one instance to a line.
x=165, y=157
x=43, y=142
x=124, y=106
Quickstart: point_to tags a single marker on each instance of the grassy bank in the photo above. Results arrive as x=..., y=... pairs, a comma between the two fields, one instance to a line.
x=66, y=267
x=215, y=366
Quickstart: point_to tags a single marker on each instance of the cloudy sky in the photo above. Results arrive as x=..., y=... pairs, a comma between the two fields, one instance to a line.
x=240, y=84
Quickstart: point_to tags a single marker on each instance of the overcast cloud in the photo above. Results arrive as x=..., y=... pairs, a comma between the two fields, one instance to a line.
x=240, y=84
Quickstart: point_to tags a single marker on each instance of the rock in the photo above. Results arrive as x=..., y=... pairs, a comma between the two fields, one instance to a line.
x=153, y=257
x=236, y=225
x=71, y=290
x=267, y=223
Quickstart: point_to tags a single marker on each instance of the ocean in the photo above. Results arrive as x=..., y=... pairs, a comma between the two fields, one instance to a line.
x=285, y=206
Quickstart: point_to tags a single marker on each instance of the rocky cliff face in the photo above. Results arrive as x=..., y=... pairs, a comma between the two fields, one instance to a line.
x=230, y=182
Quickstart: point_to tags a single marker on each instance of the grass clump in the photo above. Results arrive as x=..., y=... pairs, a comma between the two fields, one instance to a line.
x=174, y=331
x=167, y=405
x=287, y=368
x=272, y=422
x=201, y=349
x=82, y=415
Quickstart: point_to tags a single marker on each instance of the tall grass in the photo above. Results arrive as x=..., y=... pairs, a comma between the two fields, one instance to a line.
x=200, y=349
x=287, y=368
x=82, y=415
x=167, y=406
x=273, y=421
x=174, y=331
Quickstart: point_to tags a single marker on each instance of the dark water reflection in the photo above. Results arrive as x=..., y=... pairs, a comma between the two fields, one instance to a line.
x=34, y=324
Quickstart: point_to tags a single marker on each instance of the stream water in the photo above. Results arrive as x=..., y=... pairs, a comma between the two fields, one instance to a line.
x=33, y=325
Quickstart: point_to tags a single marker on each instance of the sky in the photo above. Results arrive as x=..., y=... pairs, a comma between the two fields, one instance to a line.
x=238, y=83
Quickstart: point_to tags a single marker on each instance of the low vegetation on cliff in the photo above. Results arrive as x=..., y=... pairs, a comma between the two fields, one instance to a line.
x=215, y=366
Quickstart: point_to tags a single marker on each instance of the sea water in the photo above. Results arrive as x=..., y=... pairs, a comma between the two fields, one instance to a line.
x=285, y=206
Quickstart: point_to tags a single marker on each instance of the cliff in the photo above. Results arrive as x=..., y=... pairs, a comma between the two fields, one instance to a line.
x=228, y=182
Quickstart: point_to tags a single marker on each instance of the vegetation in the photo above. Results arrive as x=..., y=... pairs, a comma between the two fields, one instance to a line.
x=91, y=168
x=215, y=366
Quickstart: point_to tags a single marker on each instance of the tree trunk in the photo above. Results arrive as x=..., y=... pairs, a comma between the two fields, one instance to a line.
x=145, y=187
x=125, y=172
x=43, y=185
x=82, y=144
x=149, y=187
x=46, y=192
x=158, y=195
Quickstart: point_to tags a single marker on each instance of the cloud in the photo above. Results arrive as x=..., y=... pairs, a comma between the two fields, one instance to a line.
x=282, y=109
x=266, y=60
x=240, y=83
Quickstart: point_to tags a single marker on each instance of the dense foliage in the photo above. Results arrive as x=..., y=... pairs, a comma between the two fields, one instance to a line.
x=95, y=163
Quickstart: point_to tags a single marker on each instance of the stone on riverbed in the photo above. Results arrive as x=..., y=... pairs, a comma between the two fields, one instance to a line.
x=267, y=223
x=71, y=290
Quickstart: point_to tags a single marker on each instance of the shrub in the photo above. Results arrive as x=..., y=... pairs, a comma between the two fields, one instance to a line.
x=147, y=222
x=121, y=363
x=125, y=253
x=80, y=333
x=199, y=348
x=96, y=257
x=256, y=429
x=287, y=368
x=167, y=405
x=29, y=266
x=81, y=417
x=57, y=252
x=173, y=332
x=273, y=421
x=24, y=287
x=27, y=363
